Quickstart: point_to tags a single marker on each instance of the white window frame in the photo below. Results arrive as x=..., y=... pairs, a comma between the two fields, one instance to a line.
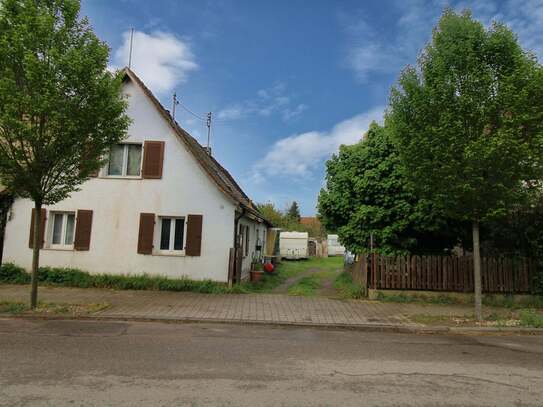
x=123, y=174
x=158, y=233
x=62, y=245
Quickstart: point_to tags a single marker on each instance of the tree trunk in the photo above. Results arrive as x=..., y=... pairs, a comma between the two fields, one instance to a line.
x=477, y=272
x=35, y=255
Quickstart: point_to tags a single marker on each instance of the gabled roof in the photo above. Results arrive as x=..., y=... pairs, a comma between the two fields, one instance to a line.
x=218, y=174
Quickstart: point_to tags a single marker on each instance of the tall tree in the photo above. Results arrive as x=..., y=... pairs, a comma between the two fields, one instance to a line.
x=468, y=122
x=271, y=213
x=293, y=212
x=367, y=198
x=60, y=109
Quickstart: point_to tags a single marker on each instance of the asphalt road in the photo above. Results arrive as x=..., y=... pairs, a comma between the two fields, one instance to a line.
x=70, y=363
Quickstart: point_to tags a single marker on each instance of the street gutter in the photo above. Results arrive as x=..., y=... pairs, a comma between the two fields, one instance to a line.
x=393, y=328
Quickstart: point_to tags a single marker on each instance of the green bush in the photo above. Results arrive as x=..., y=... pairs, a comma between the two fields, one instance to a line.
x=12, y=274
x=70, y=277
x=347, y=288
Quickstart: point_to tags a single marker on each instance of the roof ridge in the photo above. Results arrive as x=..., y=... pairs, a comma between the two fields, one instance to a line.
x=222, y=178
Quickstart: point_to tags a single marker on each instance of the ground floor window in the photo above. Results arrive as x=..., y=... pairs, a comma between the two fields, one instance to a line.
x=62, y=230
x=172, y=233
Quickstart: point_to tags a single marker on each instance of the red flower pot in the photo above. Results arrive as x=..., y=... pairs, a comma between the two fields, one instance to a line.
x=256, y=276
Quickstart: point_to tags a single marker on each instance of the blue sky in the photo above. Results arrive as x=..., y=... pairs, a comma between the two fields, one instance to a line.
x=287, y=81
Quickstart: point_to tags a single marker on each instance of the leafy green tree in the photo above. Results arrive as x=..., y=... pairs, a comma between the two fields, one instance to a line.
x=520, y=233
x=468, y=123
x=293, y=212
x=60, y=109
x=271, y=213
x=367, y=197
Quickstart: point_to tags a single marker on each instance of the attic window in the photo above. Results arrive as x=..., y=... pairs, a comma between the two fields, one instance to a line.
x=125, y=160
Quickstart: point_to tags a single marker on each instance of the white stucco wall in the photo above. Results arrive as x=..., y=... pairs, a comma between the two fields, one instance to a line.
x=117, y=203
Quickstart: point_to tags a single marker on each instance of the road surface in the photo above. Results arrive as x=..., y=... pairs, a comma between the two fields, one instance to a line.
x=85, y=363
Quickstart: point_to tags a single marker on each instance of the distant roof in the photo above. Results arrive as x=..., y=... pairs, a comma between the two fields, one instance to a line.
x=214, y=170
x=310, y=221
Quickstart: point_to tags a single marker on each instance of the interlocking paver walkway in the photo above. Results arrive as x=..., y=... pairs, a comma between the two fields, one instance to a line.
x=272, y=308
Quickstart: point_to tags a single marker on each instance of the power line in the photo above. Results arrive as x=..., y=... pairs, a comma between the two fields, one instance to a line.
x=190, y=111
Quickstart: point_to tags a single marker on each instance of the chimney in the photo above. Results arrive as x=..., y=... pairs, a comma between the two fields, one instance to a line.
x=208, y=150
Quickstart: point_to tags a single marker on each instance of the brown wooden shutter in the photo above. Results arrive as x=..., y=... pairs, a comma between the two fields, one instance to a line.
x=83, y=229
x=153, y=157
x=194, y=235
x=147, y=228
x=42, y=227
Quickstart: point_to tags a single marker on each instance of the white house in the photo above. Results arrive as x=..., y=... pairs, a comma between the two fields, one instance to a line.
x=162, y=206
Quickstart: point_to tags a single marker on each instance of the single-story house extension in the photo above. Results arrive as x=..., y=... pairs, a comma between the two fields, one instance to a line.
x=161, y=206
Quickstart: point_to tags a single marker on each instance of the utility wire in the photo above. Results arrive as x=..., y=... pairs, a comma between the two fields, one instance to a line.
x=191, y=112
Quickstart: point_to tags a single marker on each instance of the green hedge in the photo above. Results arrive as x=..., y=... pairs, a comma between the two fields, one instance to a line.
x=69, y=277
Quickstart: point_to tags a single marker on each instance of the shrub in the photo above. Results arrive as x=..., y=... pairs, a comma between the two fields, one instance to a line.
x=12, y=274
x=70, y=277
x=347, y=288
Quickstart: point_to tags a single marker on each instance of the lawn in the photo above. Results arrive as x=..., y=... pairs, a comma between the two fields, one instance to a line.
x=45, y=308
x=499, y=318
x=292, y=268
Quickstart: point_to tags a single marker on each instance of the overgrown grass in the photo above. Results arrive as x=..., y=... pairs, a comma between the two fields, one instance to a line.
x=512, y=303
x=291, y=268
x=346, y=288
x=505, y=318
x=69, y=277
x=530, y=318
x=428, y=299
x=307, y=286
x=493, y=301
x=11, y=307
x=17, y=308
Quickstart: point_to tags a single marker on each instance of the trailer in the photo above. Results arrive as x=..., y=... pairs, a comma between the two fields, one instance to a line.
x=334, y=246
x=293, y=245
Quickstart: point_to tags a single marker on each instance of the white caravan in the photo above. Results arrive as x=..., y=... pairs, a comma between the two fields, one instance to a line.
x=334, y=247
x=293, y=245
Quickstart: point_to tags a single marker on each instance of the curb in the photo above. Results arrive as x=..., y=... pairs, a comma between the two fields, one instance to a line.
x=394, y=328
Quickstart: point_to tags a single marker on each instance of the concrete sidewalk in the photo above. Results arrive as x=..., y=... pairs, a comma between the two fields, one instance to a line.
x=248, y=308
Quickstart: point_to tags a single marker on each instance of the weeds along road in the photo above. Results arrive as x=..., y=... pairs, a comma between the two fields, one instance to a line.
x=84, y=363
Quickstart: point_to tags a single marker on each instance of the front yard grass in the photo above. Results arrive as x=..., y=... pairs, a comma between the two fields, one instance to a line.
x=347, y=288
x=499, y=318
x=291, y=268
x=45, y=308
x=307, y=286
x=69, y=277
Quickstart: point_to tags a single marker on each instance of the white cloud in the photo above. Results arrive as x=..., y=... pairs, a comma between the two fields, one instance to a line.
x=369, y=52
x=300, y=154
x=161, y=59
x=231, y=113
x=273, y=100
x=291, y=113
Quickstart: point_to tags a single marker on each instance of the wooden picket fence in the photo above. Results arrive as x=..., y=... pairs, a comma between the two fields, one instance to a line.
x=444, y=273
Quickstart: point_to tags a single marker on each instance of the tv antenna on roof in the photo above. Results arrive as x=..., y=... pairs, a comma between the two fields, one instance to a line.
x=130, y=50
